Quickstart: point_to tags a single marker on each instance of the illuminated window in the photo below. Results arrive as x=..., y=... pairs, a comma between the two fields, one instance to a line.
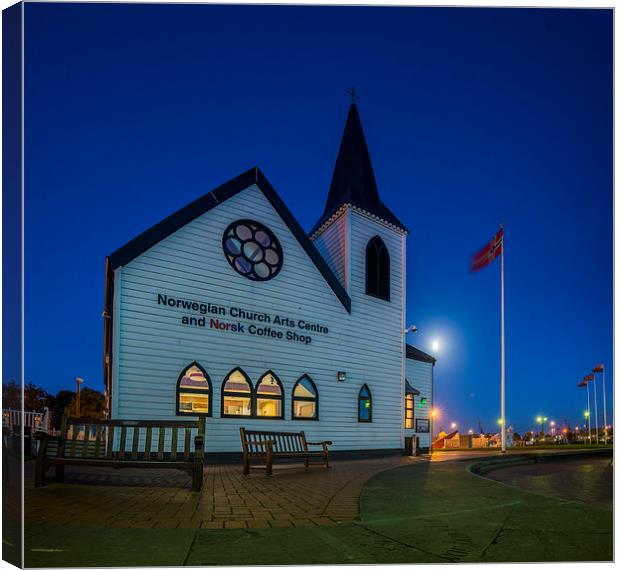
x=252, y=250
x=409, y=411
x=269, y=397
x=236, y=395
x=364, y=400
x=377, y=269
x=305, y=400
x=194, y=391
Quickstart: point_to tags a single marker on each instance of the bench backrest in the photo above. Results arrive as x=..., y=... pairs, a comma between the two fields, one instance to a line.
x=284, y=442
x=126, y=440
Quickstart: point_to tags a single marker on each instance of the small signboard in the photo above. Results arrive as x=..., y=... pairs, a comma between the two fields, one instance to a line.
x=422, y=426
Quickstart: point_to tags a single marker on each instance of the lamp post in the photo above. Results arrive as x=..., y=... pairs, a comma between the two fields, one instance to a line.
x=78, y=382
x=552, y=424
x=586, y=415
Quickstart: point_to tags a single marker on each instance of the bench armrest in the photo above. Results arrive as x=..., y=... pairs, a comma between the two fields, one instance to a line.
x=326, y=442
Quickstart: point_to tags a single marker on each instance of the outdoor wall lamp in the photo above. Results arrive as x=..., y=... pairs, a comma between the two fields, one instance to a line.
x=342, y=376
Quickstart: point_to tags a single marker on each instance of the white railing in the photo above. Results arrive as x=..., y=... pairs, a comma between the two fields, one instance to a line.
x=36, y=421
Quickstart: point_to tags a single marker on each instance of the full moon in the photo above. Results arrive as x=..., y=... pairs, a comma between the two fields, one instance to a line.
x=435, y=345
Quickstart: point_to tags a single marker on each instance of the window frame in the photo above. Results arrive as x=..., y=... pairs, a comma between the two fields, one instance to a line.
x=224, y=393
x=305, y=399
x=209, y=413
x=361, y=398
x=379, y=246
x=412, y=408
x=263, y=397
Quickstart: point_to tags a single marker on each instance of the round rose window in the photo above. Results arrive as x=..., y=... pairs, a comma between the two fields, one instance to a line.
x=252, y=250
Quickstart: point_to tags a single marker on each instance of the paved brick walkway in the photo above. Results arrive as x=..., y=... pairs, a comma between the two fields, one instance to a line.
x=153, y=498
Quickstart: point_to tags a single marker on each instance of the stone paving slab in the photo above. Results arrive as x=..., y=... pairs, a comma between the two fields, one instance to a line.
x=424, y=512
x=134, y=498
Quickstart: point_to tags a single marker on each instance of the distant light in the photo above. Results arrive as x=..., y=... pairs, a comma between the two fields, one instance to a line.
x=470, y=431
x=453, y=425
x=435, y=345
x=552, y=424
x=500, y=421
x=586, y=414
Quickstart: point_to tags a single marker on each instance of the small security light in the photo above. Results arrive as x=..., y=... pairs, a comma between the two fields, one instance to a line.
x=411, y=328
x=342, y=376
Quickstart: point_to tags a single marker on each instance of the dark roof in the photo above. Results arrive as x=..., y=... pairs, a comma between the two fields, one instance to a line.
x=353, y=181
x=417, y=354
x=409, y=389
x=172, y=223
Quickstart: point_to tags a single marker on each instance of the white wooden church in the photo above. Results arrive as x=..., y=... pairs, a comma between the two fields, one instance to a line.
x=228, y=309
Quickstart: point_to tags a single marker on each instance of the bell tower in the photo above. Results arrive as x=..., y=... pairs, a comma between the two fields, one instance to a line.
x=362, y=241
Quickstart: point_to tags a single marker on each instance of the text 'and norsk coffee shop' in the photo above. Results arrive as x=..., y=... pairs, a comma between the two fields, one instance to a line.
x=227, y=309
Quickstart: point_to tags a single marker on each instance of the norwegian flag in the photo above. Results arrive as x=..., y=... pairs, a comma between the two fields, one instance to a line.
x=489, y=252
x=598, y=368
x=588, y=378
x=582, y=384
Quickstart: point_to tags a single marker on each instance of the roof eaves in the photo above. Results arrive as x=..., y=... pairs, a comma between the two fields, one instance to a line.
x=200, y=206
x=415, y=353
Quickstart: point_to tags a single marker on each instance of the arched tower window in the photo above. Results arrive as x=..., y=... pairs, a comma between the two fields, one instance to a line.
x=269, y=397
x=305, y=399
x=364, y=405
x=237, y=395
x=194, y=393
x=377, y=269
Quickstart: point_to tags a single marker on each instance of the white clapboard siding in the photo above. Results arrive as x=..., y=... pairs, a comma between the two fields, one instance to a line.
x=152, y=346
x=420, y=376
x=331, y=243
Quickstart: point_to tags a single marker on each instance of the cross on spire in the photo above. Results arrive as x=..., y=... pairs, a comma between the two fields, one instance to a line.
x=352, y=93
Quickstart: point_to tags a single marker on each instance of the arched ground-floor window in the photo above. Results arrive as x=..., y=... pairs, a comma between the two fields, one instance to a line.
x=237, y=395
x=305, y=399
x=364, y=408
x=194, y=393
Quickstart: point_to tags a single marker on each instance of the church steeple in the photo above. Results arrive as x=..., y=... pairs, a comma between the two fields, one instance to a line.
x=353, y=180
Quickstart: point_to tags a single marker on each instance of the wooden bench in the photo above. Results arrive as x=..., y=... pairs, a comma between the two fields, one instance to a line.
x=269, y=445
x=153, y=444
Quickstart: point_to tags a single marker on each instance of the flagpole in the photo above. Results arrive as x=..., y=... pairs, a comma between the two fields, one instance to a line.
x=595, y=411
x=604, y=405
x=503, y=375
x=589, y=425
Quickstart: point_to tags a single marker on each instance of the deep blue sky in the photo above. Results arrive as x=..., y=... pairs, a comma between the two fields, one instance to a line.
x=472, y=116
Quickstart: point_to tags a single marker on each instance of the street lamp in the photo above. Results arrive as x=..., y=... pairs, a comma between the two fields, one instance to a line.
x=552, y=424
x=542, y=420
x=78, y=382
x=453, y=425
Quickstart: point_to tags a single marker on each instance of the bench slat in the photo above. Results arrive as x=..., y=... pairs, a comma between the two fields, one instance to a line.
x=121, y=451
x=134, y=443
x=188, y=440
x=173, y=448
x=110, y=450
x=147, y=443
x=160, y=444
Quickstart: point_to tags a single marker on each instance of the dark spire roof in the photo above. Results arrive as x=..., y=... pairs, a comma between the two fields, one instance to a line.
x=353, y=180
